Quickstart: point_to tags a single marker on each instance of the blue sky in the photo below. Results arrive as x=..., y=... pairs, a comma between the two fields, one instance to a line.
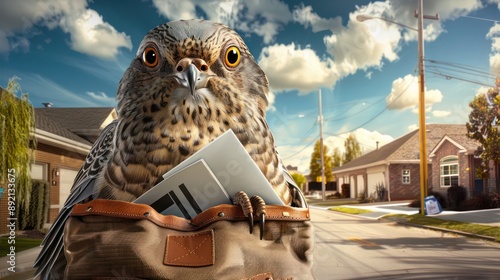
x=73, y=53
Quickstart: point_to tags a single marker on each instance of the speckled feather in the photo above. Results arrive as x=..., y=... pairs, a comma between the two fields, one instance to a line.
x=161, y=122
x=160, y=125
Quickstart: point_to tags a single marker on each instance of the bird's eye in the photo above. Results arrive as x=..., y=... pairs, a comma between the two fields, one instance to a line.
x=150, y=57
x=233, y=56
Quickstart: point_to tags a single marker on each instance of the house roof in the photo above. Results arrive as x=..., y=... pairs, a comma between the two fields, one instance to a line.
x=79, y=118
x=405, y=148
x=51, y=125
x=86, y=123
x=464, y=143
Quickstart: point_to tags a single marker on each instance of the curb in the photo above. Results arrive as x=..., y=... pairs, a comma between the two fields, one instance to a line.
x=466, y=234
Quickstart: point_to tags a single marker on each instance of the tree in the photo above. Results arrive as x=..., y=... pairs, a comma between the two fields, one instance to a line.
x=299, y=179
x=17, y=125
x=483, y=127
x=315, y=164
x=352, y=148
x=336, y=158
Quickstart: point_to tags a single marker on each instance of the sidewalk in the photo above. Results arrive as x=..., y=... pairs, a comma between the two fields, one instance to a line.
x=490, y=217
x=23, y=266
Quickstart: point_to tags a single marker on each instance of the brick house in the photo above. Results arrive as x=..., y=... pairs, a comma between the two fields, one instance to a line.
x=457, y=158
x=396, y=165
x=64, y=137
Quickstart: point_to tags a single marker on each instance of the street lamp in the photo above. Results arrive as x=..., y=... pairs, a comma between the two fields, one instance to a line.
x=421, y=95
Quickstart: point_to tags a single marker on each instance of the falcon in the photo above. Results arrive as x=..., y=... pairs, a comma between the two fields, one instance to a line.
x=189, y=82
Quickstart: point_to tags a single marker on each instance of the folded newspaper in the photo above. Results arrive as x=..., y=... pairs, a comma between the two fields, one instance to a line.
x=208, y=178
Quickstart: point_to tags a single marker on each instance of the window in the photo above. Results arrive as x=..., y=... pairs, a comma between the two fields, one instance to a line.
x=449, y=171
x=405, y=176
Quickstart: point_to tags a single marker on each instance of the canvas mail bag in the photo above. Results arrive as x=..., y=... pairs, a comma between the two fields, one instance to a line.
x=106, y=239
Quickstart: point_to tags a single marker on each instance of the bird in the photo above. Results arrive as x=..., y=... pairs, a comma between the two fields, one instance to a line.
x=189, y=82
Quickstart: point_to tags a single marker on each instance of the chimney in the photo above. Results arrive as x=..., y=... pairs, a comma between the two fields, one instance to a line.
x=377, y=144
x=47, y=104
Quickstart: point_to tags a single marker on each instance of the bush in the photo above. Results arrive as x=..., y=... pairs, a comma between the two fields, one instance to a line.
x=484, y=201
x=440, y=198
x=34, y=217
x=335, y=195
x=346, y=190
x=456, y=196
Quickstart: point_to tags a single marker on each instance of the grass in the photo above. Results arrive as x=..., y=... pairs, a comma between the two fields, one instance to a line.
x=453, y=225
x=331, y=202
x=350, y=210
x=21, y=244
x=419, y=219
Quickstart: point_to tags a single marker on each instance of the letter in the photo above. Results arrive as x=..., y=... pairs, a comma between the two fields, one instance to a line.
x=233, y=167
x=223, y=177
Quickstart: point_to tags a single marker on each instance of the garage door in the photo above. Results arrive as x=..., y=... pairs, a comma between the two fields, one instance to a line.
x=66, y=182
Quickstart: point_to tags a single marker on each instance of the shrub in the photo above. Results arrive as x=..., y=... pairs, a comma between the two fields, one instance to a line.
x=335, y=195
x=456, y=196
x=440, y=198
x=346, y=190
x=34, y=217
x=484, y=201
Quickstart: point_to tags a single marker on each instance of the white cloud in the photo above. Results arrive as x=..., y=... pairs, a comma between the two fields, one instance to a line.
x=404, y=94
x=440, y=114
x=290, y=67
x=363, y=44
x=300, y=156
x=102, y=98
x=482, y=90
x=403, y=12
x=271, y=96
x=412, y=127
x=305, y=16
x=366, y=139
x=176, y=10
x=264, y=18
x=494, y=35
x=50, y=91
x=89, y=33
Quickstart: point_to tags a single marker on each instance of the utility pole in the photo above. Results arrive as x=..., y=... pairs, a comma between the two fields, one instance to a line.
x=320, y=119
x=424, y=177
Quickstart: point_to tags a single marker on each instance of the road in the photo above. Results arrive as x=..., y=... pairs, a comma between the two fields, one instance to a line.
x=349, y=247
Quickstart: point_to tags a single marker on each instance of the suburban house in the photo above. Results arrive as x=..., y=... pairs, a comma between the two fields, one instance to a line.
x=64, y=138
x=453, y=159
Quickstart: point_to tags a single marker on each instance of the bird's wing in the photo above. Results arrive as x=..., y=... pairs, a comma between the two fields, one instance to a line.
x=83, y=188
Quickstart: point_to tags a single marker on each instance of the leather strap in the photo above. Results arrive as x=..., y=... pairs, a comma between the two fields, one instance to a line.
x=129, y=210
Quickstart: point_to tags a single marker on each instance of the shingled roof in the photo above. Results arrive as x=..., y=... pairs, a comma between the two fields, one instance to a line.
x=45, y=123
x=406, y=148
x=85, y=123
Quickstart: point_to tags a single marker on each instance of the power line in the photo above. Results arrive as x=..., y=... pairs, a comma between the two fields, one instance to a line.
x=483, y=19
x=379, y=113
x=305, y=147
x=462, y=72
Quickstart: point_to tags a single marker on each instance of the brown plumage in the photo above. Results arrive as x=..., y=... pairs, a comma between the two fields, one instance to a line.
x=189, y=82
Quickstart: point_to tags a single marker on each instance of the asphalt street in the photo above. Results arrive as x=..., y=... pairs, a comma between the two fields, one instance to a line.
x=362, y=247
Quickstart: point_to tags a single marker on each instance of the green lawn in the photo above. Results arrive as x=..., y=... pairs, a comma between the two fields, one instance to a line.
x=434, y=222
x=453, y=225
x=21, y=244
x=350, y=210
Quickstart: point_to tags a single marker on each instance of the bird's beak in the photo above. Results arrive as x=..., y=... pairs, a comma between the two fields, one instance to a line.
x=192, y=75
x=192, y=78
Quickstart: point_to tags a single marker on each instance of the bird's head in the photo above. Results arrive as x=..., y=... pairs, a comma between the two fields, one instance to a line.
x=192, y=65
